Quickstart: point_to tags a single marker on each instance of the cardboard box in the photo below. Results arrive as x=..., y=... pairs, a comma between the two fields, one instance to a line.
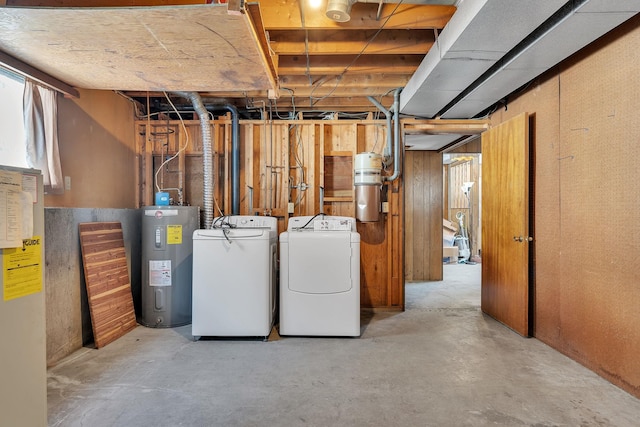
x=450, y=254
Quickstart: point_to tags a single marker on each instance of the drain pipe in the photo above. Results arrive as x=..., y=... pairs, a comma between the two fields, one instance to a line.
x=396, y=136
x=387, y=148
x=207, y=156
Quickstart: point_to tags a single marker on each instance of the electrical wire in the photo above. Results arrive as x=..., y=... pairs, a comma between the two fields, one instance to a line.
x=180, y=150
x=310, y=221
x=292, y=115
x=298, y=154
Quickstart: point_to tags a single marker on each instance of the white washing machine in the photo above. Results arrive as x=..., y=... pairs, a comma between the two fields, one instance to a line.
x=320, y=277
x=234, y=277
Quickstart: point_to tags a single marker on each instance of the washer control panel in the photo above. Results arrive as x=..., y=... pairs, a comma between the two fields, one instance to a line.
x=246, y=221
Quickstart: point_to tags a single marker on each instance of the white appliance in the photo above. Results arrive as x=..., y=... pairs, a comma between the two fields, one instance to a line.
x=23, y=361
x=320, y=277
x=234, y=277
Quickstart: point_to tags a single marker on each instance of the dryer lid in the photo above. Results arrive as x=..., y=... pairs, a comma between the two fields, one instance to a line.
x=320, y=262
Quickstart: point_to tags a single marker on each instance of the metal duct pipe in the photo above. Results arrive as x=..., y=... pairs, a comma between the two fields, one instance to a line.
x=207, y=156
x=396, y=136
x=395, y=109
x=387, y=114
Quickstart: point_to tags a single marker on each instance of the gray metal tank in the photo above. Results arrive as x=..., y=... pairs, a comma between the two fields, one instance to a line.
x=167, y=259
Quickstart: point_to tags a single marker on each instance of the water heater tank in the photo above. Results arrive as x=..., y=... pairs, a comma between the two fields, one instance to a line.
x=368, y=183
x=167, y=264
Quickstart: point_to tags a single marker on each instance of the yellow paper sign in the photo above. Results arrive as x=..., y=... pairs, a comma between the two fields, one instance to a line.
x=174, y=234
x=22, y=269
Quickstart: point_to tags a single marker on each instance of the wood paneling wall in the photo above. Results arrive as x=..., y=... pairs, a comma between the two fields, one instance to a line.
x=286, y=166
x=587, y=233
x=423, y=219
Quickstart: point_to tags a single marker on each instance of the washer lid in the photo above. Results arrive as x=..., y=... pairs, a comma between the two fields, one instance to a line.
x=320, y=262
x=232, y=233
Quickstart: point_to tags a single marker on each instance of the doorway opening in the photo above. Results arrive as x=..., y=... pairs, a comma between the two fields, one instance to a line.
x=462, y=211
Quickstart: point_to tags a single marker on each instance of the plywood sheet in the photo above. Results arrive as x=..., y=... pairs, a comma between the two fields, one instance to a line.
x=107, y=281
x=173, y=48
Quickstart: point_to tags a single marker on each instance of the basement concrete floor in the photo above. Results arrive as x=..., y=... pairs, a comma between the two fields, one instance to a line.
x=439, y=363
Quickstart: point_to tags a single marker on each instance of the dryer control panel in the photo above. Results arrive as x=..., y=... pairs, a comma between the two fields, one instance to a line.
x=322, y=223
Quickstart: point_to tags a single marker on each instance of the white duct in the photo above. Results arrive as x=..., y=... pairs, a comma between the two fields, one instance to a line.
x=489, y=48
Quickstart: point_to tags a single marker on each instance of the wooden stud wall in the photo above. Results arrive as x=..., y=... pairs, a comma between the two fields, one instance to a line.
x=282, y=166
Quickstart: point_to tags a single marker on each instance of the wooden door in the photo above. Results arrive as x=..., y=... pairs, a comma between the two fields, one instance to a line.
x=505, y=223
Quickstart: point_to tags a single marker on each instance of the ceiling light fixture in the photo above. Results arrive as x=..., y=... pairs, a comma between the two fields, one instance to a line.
x=338, y=10
x=315, y=4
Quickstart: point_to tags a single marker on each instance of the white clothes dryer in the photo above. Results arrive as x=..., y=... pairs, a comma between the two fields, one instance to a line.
x=320, y=277
x=234, y=277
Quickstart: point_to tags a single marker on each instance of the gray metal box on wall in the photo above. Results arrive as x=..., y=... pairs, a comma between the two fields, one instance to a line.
x=167, y=260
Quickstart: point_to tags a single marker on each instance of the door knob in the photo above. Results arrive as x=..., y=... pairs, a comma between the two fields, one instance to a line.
x=518, y=238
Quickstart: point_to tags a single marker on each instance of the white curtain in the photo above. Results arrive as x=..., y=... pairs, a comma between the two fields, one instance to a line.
x=41, y=132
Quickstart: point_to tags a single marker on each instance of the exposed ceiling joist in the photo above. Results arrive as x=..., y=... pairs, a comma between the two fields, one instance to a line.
x=318, y=57
x=339, y=65
x=321, y=42
x=440, y=127
x=286, y=15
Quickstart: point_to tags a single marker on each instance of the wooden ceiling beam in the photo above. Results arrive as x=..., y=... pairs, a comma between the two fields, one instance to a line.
x=441, y=126
x=336, y=65
x=356, y=80
x=285, y=15
x=351, y=42
x=345, y=104
x=329, y=89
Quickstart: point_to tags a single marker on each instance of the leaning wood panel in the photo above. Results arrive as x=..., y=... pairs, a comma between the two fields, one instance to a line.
x=107, y=281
